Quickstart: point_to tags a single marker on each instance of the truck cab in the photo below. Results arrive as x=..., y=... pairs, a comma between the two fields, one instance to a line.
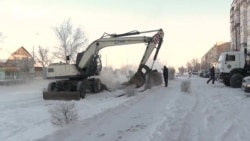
x=230, y=67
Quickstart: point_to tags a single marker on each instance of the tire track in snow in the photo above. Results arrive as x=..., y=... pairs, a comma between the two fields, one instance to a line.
x=201, y=121
x=236, y=128
x=222, y=115
x=176, y=125
x=195, y=125
x=192, y=123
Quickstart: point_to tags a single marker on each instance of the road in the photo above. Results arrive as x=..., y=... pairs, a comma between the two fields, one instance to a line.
x=207, y=113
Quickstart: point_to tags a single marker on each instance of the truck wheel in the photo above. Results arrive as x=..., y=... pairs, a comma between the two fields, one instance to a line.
x=226, y=81
x=236, y=80
x=97, y=86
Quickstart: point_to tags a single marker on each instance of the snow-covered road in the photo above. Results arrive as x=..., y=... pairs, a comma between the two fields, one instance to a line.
x=133, y=120
x=208, y=113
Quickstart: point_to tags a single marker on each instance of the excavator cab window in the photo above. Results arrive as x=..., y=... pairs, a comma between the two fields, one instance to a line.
x=78, y=58
x=98, y=64
x=67, y=58
x=50, y=69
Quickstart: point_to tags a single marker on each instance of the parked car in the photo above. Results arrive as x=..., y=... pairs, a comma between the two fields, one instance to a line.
x=195, y=72
x=204, y=73
x=246, y=84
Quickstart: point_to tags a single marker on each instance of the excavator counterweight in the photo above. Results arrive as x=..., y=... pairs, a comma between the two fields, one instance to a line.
x=75, y=80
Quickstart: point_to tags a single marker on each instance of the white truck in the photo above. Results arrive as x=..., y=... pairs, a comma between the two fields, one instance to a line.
x=232, y=67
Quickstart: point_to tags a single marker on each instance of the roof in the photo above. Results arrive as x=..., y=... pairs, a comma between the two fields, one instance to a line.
x=21, y=50
x=24, y=50
x=5, y=54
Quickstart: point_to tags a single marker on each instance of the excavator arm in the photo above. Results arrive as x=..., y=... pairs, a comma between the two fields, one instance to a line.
x=122, y=39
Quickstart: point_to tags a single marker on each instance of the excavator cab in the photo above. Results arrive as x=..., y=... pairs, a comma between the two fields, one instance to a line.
x=78, y=79
x=94, y=67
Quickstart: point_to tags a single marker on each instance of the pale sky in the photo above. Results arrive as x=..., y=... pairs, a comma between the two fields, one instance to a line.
x=191, y=27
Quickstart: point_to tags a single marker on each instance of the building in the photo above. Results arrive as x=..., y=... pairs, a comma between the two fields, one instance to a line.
x=16, y=65
x=212, y=56
x=240, y=24
x=239, y=33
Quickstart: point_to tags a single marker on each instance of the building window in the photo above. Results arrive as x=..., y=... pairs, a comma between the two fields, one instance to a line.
x=50, y=70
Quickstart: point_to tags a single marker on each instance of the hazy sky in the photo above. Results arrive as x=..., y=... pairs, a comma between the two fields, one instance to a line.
x=191, y=27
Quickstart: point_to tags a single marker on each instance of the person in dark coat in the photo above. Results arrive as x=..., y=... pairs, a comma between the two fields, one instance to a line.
x=165, y=75
x=212, y=75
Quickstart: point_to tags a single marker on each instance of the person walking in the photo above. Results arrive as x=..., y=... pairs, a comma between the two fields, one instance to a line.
x=165, y=75
x=212, y=75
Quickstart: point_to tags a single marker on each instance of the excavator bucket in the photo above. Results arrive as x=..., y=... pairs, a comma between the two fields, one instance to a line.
x=61, y=96
x=149, y=78
x=139, y=78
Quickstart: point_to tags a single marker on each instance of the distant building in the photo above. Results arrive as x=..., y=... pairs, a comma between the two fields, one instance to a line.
x=212, y=56
x=16, y=65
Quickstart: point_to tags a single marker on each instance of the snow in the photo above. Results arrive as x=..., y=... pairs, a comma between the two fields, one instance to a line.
x=210, y=112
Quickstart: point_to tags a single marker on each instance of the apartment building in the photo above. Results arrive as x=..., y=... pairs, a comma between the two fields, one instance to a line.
x=212, y=55
x=239, y=33
x=240, y=24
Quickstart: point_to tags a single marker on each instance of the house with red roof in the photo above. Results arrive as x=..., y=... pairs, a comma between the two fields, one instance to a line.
x=16, y=65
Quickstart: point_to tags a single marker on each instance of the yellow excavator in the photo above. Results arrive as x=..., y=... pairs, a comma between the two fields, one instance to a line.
x=73, y=81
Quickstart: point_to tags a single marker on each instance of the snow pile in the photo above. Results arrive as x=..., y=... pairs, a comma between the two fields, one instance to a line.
x=114, y=78
x=130, y=90
x=185, y=86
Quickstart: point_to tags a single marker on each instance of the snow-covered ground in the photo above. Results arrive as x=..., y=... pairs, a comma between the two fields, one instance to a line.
x=208, y=113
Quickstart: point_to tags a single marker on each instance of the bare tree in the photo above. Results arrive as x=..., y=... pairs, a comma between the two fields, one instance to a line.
x=189, y=66
x=71, y=41
x=43, y=56
x=182, y=70
x=195, y=64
